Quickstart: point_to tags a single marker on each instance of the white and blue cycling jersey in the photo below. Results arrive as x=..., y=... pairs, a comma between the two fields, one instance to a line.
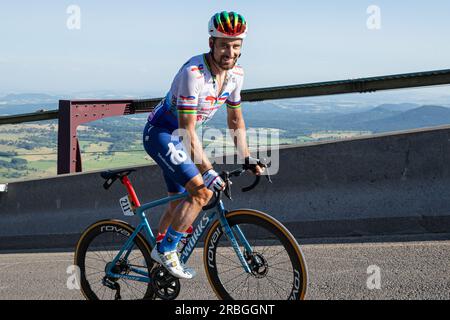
x=193, y=91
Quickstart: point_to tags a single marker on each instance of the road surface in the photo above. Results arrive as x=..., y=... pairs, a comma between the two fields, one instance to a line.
x=408, y=268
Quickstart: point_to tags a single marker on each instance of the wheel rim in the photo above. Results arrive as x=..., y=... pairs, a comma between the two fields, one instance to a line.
x=95, y=253
x=294, y=276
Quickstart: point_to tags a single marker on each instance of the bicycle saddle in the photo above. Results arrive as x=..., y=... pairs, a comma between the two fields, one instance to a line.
x=116, y=174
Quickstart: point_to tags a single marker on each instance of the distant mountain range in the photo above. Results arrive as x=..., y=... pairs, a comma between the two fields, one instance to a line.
x=424, y=116
x=27, y=98
x=13, y=104
x=291, y=116
x=383, y=118
x=33, y=99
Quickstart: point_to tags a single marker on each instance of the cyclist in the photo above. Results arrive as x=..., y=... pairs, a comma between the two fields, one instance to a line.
x=201, y=86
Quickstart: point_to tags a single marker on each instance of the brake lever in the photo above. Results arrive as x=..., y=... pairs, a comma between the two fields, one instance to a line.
x=264, y=163
x=226, y=178
x=227, y=191
x=268, y=175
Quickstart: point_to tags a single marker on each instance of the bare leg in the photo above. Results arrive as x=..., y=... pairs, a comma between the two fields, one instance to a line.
x=167, y=217
x=180, y=218
x=188, y=209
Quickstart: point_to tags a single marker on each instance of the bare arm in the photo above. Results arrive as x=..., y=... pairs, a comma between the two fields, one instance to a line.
x=236, y=124
x=238, y=132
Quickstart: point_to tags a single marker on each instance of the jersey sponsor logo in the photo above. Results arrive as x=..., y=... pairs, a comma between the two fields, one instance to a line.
x=211, y=100
x=177, y=157
x=186, y=101
x=199, y=68
x=189, y=98
x=225, y=95
x=217, y=101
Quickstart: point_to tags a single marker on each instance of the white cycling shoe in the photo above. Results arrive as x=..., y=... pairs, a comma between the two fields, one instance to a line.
x=189, y=270
x=171, y=262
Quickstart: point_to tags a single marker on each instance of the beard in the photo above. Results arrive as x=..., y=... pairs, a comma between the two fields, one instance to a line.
x=226, y=65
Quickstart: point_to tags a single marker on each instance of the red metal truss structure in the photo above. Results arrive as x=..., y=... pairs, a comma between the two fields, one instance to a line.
x=72, y=114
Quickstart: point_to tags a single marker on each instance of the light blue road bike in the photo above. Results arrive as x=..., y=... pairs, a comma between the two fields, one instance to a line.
x=247, y=253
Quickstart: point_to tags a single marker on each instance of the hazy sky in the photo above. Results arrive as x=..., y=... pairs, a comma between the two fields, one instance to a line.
x=137, y=46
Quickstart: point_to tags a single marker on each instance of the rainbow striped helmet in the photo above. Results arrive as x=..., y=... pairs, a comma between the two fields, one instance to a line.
x=228, y=25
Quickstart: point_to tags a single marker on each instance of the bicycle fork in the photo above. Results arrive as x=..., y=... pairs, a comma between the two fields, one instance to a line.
x=234, y=243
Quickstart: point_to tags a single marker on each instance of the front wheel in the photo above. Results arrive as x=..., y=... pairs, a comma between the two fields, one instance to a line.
x=94, y=254
x=278, y=269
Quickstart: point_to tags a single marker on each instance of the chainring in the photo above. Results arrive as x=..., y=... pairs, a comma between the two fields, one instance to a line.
x=166, y=286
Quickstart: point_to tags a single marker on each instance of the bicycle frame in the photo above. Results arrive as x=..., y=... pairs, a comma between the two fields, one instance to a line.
x=203, y=225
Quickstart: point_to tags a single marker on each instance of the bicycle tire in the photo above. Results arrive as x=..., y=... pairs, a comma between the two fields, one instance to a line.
x=110, y=228
x=248, y=219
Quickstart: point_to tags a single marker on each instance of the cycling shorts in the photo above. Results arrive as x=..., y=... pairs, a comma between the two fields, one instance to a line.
x=170, y=154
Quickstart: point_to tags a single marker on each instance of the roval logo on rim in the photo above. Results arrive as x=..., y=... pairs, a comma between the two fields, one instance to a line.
x=113, y=228
x=296, y=289
x=211, y=247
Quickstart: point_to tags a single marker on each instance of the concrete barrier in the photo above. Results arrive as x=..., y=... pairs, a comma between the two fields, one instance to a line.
x=386, y=184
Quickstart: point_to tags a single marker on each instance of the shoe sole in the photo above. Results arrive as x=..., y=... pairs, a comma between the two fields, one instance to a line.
x=156, y=258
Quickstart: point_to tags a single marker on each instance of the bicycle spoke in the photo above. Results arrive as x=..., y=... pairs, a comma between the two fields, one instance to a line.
x=89, y=267
x=132, y=292
x=234, y=268
x=98, y=255
x=275, y=278
x=281, y=251
x=287, y=271
x=109, y=254
x=234, y=262
x=104, y=291
x=228, y=265
x=98, y=283
x=136, y=288
x=239, y=283
x=240, y=275
x=278, y=263
x=268, y=279
x=90, y=274
x=101, y=260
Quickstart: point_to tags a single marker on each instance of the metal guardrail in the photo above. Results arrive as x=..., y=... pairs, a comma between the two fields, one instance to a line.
x=360, y=85
x=29, y=117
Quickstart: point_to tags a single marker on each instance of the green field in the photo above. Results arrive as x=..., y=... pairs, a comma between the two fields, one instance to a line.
x=100, y=149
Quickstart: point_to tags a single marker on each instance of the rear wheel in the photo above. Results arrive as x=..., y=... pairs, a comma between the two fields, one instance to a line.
x=278, y=269
x=95, y=252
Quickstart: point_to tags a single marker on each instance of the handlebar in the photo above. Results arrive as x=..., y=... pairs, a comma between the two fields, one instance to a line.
x=226, y=175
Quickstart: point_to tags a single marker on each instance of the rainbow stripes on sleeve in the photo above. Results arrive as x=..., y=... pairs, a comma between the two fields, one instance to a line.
x=187, y=104
x=187, y=109
x=233, y=105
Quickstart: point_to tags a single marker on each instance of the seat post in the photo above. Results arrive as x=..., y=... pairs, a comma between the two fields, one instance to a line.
x=127, y=183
